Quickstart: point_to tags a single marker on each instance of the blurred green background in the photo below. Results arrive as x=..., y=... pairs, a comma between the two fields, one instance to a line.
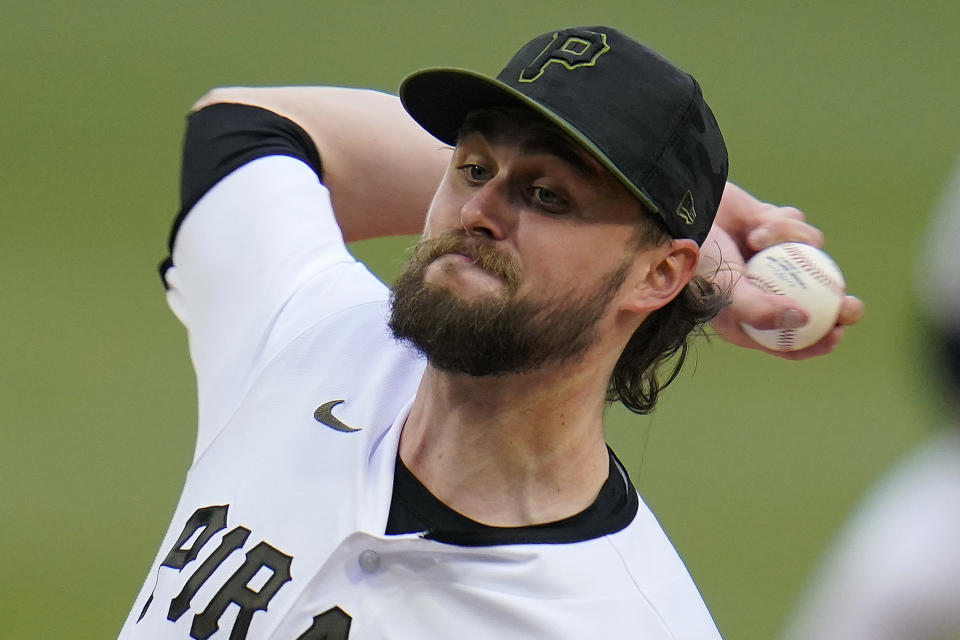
x=846, y=109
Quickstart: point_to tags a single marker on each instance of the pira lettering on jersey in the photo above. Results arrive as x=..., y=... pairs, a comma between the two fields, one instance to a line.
x=199, y=530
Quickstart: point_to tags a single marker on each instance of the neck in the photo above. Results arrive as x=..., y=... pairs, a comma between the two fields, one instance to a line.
x=510, y=450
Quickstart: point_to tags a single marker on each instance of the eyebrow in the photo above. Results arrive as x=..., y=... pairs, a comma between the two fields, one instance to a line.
x=538, y=141
x=552, y=145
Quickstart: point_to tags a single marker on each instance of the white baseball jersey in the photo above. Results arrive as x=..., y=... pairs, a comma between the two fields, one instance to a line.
x=280, y=531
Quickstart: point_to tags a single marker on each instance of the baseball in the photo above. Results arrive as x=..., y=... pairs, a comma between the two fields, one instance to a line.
x=805, y=274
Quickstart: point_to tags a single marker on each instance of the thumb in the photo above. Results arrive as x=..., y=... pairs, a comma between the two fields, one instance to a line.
x=761, y=310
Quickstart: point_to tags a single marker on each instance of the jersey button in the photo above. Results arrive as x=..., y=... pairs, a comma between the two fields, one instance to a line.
x=369, y=561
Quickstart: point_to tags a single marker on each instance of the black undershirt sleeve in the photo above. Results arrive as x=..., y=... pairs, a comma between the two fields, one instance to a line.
x=223, y=137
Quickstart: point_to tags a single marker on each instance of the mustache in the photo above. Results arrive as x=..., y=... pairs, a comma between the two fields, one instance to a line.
x=480, y=250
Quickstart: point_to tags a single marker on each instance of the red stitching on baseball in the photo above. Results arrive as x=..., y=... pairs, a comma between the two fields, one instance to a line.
x=767, y=286
x=785, y=339
x=823, y=277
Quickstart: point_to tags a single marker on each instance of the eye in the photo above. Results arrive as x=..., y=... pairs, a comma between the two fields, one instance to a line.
x=475, y=172
x=548, y=200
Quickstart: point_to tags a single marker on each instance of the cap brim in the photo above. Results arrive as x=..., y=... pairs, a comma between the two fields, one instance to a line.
x=440, y=100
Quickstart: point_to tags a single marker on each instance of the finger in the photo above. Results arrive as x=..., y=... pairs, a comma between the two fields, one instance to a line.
x=763, y=311
x=772, y=211
x=765, y=213
x=851, y=311
x=735, y=335
x=751, y=215
x=822, y=347
x=766, y=310
x=784, y=229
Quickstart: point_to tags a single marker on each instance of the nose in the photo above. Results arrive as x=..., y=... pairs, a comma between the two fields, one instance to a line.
x=487, y=212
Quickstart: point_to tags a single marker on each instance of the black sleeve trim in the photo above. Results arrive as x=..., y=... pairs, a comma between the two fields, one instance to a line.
x=223, y=137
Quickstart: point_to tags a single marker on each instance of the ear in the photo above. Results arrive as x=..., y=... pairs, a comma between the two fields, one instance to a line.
x=661, y=274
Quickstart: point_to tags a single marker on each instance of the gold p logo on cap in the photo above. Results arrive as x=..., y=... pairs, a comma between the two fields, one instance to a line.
x=571, y=48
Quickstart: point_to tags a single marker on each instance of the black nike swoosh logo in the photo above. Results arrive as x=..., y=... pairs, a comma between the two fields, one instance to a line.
x=324, y=415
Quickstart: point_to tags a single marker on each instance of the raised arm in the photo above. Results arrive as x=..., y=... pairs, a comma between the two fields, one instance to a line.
x=381, y=168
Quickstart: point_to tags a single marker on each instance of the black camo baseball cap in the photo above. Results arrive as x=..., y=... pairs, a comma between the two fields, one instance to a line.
x=640, y=116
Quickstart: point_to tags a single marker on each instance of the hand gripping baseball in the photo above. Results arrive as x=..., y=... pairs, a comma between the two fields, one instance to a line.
x=743, y=227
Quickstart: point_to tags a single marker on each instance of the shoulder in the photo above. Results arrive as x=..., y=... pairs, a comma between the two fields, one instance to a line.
x=222, y=137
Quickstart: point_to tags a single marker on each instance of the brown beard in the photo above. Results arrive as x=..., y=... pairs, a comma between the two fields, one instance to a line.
x=510, y=334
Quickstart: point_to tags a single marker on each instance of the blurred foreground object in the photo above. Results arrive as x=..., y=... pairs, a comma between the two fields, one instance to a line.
x=894, y=570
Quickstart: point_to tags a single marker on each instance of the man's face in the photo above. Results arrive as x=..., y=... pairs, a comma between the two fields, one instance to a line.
x=526, y=247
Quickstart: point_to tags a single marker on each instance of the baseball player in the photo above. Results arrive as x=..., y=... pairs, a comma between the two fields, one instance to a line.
x=429, y=462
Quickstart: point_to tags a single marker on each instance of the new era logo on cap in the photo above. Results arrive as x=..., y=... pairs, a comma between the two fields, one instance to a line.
x=686, y=210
